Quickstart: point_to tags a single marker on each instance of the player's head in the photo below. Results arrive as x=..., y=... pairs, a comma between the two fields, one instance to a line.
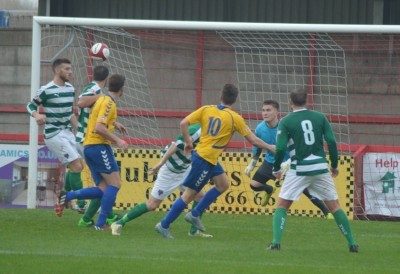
x=270, y=111
x=62, y=69
x=229, y=94
x=298, y=97
x=100, y=73
x=116, y=83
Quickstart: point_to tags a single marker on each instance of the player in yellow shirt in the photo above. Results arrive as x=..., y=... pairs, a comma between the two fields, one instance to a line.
x=218, y=124
x=99, y=155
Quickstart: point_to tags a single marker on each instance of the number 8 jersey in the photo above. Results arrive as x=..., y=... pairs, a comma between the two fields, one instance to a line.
x=303, y=132
x=218, y=124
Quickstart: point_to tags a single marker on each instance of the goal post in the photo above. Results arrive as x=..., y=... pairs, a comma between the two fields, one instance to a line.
x=173, y=67
x=33, y=127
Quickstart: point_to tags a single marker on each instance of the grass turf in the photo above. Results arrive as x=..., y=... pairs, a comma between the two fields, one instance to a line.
x=36, y=241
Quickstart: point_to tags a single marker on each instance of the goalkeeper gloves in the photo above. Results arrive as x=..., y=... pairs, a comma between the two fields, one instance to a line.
x=285, y=166
x=250, y=167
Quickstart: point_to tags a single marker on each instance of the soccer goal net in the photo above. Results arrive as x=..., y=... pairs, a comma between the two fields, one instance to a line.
x=172, y=68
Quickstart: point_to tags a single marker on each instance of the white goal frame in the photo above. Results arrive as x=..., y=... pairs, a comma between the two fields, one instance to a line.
x=40, y=21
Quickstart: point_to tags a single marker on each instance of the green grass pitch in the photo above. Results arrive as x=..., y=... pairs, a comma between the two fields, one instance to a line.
x=36, y=241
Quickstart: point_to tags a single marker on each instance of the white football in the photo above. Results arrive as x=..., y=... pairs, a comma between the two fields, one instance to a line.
x=99, y=51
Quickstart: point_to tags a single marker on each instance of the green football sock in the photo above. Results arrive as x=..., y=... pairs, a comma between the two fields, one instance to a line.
x=67, y=185
x=92, y=209
x=111, y=215
x=75, y=182
x=278, y=224
x=344, y=226
x=135, y=212
x=193, y=229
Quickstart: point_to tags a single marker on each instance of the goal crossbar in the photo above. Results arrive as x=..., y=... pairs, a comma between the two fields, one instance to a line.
x=193, y=25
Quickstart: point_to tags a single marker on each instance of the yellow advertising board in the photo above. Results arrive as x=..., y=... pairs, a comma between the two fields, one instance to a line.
x=239, y=199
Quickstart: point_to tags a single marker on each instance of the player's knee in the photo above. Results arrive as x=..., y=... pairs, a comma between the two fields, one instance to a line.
x=254, y=188
x=282, y=203
x=222, y=187
x=76, y=166
x=257, y=186
x=116, y=184
x=102, y=185
x=198, y=196
x=333, y=205
x=152, y=205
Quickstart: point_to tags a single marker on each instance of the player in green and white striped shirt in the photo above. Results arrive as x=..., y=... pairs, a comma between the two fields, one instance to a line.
x=172, y=170
x=57, y=98
x=303, y=131
x=89, y=95
x=87, y=99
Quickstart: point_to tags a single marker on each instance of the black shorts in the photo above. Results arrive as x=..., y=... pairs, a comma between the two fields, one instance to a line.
x=264, y=173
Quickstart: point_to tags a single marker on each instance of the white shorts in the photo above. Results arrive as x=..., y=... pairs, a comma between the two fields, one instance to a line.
x=167, y=181
x=320, y=186
x=63, y=146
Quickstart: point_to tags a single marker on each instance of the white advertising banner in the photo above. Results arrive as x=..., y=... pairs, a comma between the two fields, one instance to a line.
x=381, y=176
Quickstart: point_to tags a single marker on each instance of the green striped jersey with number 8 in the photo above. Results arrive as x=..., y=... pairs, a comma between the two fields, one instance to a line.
x=304, y=132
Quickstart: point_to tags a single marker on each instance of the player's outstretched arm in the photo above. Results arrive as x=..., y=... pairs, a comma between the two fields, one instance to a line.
x=171, y=150
x=255, y=141
x=87, y=100
x=184, y=125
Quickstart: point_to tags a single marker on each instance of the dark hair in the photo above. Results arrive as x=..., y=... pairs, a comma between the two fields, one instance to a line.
x=229, y=94
x=116, y=82
x=58, y=62
x=273, y=103
x=100, y=73
x=298, y=97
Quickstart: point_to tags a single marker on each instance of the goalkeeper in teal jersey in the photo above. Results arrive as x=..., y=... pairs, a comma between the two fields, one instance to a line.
x=172, y=170
x=266, y=131
x=303, y=131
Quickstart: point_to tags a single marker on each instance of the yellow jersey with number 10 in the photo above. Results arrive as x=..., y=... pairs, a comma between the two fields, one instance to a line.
x=218, y=124
x=104, y=111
